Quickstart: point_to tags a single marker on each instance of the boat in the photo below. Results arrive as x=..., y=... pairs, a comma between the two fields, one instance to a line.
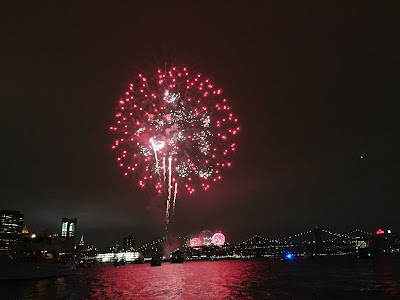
x=119, y=262
x=286, y=256
x=177, y=256
x=308, y=255
x=213, y=258
x=139, y=260
x=156, y=259
x=34, y=267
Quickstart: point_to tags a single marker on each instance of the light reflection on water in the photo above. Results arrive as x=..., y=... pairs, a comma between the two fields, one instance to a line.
x=326, y=277
x=205, y=280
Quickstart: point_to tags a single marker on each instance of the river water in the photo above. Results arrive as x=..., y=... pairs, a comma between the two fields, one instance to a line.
x=338, y=277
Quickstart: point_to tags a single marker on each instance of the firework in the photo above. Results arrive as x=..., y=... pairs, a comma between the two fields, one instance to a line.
x=206, y=236
x=218, y=239
x=195, y=243
x=174, y=130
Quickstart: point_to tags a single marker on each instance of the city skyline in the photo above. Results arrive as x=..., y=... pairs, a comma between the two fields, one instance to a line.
x=314, y=88
x=127, y=240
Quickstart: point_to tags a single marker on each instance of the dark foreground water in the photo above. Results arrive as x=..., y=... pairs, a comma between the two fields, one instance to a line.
x=318, y=278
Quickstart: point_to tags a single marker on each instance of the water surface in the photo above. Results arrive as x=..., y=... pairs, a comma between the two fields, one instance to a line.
x=318, y=278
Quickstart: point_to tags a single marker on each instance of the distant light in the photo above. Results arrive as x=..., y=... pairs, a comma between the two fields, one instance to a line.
x=33, y=235
x=389, y=231
x=369, y=254
x=289, y=256
x=380, y=231
x=361, y=157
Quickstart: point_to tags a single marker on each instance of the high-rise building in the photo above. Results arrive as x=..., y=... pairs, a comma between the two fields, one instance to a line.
x=68, y=227
x=11, y=224
x=82, y=242
x=25, y=230
x=129, y=243
x=68, y=231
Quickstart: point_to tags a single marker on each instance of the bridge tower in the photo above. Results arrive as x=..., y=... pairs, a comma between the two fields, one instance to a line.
x=318, y=239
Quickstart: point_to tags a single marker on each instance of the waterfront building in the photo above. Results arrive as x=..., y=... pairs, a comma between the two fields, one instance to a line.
x=110, y=257
x=11, y=224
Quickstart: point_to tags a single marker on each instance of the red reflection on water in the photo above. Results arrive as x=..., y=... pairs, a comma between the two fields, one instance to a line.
x=389, y=284
x=190, y=280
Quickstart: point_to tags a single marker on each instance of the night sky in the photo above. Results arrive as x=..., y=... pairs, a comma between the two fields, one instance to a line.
x=315, y=87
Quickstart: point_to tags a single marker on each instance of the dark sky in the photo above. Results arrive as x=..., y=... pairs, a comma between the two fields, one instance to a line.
x=315, y=87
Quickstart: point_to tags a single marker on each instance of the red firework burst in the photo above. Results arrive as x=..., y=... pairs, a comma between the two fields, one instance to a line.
x=174, y=129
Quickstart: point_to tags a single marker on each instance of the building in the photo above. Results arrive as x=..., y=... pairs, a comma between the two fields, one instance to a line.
x=82, y=242
x=68, y=227
x=129, y=243
x=110, y=257
x=68, y=232
x=11, y=224
x=25, y=230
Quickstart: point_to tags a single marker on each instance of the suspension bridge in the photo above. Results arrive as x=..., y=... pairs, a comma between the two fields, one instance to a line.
x=315, y=240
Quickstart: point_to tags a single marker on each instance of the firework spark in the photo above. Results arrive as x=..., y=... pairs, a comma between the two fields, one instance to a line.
x=177, y=117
